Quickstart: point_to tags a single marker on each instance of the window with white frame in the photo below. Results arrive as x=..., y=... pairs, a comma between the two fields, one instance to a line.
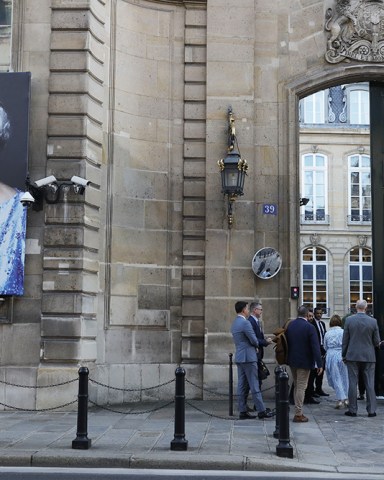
x=359, y=188
x=314, y=277
x=5, y=34
x=314, y=187
x=313, y=108
x=358, y=103
x=360, y=276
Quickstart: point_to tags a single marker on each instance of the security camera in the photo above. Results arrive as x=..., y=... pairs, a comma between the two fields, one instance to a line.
x=45, y=181
x=27, y=200
x=83, y=182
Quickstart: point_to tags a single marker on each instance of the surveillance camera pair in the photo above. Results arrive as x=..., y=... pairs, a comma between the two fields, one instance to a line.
x=52, y=179
x=27, y=199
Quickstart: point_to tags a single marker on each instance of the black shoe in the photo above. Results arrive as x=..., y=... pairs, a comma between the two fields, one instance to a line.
x=372, y=414
x=321, y=393
x=265, y=414
x=311, y=401
x=267, y=409
x=246, y=416
x=360, y=397
x=315, y=395
x=350, y=414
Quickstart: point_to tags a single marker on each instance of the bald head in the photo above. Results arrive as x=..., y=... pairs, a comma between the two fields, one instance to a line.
x=361, y=305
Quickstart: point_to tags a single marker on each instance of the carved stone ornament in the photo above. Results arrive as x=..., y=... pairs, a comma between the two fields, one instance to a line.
x=363, y=240
x=356, y=31
x=314, y=239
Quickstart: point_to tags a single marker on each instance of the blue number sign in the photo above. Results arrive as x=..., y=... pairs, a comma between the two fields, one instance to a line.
x=269, y=209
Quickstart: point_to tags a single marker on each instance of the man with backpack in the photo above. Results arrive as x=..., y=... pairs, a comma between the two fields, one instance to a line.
x=303, y=354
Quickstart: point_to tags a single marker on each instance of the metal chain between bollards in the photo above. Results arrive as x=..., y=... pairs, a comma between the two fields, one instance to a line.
x=109, y=409
x=131, y=389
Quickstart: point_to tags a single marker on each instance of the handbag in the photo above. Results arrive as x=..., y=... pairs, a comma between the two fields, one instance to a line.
x=263, y=370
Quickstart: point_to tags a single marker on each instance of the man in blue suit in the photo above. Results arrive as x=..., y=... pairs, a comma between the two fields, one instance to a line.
x=246, y=360
x=303, y=354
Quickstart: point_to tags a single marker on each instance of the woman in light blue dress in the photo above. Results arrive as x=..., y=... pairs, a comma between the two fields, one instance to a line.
x=336, y=370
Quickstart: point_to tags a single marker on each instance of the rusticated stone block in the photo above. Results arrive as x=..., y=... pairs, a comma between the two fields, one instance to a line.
x=68, y=350
x=66, y=327
x=192, y=349
x=152, y=297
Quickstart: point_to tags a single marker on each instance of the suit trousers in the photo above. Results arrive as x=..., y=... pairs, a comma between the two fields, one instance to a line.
x=368, y=371
x=300, y=380
x=247, y=374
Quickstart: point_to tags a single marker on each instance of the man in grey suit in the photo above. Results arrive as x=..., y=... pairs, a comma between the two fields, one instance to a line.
x=360, y=338
x=246, y=360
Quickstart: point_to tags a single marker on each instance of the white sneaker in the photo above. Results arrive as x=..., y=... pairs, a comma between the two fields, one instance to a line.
x=346, y=403
x=339, y=404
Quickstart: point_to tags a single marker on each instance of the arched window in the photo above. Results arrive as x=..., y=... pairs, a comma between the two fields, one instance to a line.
x=314, y=178
x=359, y=188
x=360, y=276
x=314, y=277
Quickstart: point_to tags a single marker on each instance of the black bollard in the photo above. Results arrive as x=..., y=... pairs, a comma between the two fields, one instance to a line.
x=230, y=385
x=284, y=448
x=278, y=370
x=82, y=442
x=179, y=442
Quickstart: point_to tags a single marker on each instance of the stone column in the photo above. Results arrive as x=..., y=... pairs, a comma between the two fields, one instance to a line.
x=194, y=224
x=71, y=236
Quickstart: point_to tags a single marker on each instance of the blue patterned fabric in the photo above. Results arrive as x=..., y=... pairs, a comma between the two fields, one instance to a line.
x=12, y=246
x=336, y=370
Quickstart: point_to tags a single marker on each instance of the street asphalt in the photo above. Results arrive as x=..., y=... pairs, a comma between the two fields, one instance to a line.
x=140, y=436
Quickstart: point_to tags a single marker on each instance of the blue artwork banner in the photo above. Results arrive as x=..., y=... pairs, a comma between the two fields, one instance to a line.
x=14, y=134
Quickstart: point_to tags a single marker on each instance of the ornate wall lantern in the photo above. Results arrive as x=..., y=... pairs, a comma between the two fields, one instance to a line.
x=233, y=169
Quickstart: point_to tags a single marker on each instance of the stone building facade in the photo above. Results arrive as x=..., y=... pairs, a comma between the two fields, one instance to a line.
x=141, y=273
x=335, y=225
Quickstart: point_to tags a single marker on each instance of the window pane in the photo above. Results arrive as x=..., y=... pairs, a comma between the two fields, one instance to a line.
x=355, y=177
x=321, y=272
x=366, y=255
x=365, y=161
x=308, y=160
x=354, y=273
x=367, y=273
x=307, y=272
x=321, y=255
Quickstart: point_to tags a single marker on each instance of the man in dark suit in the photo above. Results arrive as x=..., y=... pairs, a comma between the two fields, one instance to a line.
x=315, y=382
x=360, y=338
x=303, y=354
x=256, y=310
x=246, y=360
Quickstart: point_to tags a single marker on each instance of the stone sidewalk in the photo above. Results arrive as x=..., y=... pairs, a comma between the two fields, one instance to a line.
x=139, y=436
